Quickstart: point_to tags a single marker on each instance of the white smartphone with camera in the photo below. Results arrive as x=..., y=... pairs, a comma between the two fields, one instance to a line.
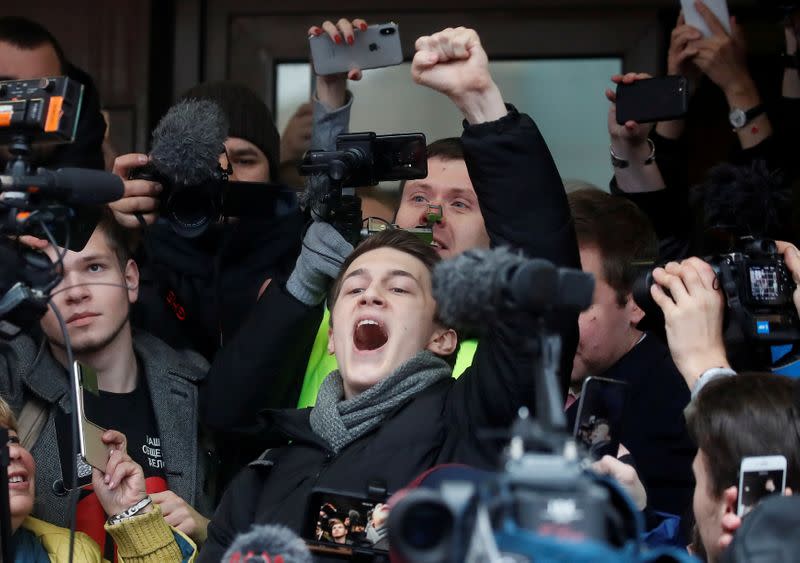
x=760, y=477
x=718, y=7
x=377, y=46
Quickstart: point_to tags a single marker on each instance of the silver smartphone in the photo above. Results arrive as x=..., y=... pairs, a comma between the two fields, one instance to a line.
x=759, y=477
x=90, y=442
x=378, y=46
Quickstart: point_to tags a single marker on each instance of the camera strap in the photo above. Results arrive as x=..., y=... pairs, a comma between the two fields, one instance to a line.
x=32, y=419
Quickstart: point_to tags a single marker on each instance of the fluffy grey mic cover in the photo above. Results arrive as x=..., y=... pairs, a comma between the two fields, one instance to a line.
x=188, y=141
x=273, y=540
x=470, y=289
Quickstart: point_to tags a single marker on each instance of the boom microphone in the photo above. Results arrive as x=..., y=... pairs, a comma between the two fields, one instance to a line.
x=479, y=286
x=268, y=542
x=188, y=140
x=71, y=186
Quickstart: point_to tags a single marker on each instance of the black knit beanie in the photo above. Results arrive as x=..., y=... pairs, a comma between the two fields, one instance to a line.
x=247, y=115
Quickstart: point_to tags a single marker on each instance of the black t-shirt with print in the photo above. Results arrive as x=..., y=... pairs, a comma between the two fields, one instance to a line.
x=133, y=415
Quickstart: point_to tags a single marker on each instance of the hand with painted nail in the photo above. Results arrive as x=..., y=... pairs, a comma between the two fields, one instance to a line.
x=332, y=89
x=140, y=196
x=689, y=295
x=122, y=484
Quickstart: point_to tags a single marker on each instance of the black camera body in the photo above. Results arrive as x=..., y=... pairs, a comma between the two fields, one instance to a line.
x=190, y=209
x=360, y=160
x=42, y=110
x=758, y=292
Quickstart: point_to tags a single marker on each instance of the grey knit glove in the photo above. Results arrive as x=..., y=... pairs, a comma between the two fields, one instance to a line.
x=324, y=251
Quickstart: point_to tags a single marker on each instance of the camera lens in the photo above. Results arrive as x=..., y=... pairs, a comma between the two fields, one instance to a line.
x=427, y=525
x=387, y=31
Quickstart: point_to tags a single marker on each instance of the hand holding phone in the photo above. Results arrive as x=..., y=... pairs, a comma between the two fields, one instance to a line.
x=343, y=49
x=697, y=19
x=652, y=99
x=598, y=421
x=759, y=477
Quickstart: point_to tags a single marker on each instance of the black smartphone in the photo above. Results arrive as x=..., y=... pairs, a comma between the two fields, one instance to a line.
x=338, y=523
x=599, y=419
x=652, y=99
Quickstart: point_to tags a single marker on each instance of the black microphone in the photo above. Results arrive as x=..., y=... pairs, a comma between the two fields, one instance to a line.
x=272, y=541
x=188, y=141
x=478, y=287
x=71, y=186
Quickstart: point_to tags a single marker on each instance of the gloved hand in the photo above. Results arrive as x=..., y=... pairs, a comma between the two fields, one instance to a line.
x=324, y=251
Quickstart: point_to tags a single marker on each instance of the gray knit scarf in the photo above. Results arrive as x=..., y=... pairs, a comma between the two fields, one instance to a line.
x=339, y=421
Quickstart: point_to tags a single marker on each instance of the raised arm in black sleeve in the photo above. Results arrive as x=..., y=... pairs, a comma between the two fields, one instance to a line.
x=523, y=203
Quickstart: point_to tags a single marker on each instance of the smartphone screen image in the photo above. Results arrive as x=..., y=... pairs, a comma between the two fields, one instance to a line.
x=760, y=477
x=340, y=523
x=599, y=419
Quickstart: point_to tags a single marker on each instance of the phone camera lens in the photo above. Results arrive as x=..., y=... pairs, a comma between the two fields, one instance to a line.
x=387, y=31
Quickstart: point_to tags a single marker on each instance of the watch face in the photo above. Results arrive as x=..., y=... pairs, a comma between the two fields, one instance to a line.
x=737, y=118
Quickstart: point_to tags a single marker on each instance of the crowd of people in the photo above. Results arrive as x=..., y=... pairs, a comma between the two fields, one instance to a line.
x=244, y=369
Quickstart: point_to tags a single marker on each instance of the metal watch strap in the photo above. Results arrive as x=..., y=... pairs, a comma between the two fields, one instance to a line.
x=130, y=511
x=618, y=162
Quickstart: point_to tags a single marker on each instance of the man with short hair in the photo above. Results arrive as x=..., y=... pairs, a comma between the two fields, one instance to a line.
x=147, y=390
x=732, y=418
x=613, y=236
x=394, y=391
x=28, y=50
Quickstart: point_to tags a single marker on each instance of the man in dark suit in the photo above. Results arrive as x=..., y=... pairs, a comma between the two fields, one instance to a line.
x=613, y=235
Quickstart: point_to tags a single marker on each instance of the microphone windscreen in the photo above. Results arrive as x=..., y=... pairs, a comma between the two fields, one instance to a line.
x=272, y=540
x=188, y=141
x=470, y=289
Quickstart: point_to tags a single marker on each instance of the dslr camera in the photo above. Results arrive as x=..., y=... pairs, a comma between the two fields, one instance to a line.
x=361, y=159
x=758, y=292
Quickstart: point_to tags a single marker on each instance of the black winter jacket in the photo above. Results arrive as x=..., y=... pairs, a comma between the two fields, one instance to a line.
x=524, y=205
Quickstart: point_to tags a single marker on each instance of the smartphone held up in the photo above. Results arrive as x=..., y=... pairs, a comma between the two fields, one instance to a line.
x=759, y=477
x=652, y=99
x=375, y=47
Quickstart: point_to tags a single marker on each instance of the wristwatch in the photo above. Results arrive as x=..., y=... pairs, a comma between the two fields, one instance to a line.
x=739, y=117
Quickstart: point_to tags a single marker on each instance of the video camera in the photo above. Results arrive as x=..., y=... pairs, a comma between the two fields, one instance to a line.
x=360, y=160
x=758, y=292
x=540, y=506
x=41, y=202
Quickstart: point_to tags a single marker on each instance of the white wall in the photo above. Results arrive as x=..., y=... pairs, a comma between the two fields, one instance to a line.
x=564, y=96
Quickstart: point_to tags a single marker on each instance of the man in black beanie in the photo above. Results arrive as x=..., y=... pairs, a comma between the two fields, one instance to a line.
x=195, y=292
x=253, y=143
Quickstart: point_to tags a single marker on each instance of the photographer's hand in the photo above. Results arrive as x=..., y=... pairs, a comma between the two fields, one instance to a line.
x=791, y=256
x=454, y=63
x=332, y=89
x=679, y=62
x=693, y=312
x=141, y=196
x=722, y=58
x=629, y=142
